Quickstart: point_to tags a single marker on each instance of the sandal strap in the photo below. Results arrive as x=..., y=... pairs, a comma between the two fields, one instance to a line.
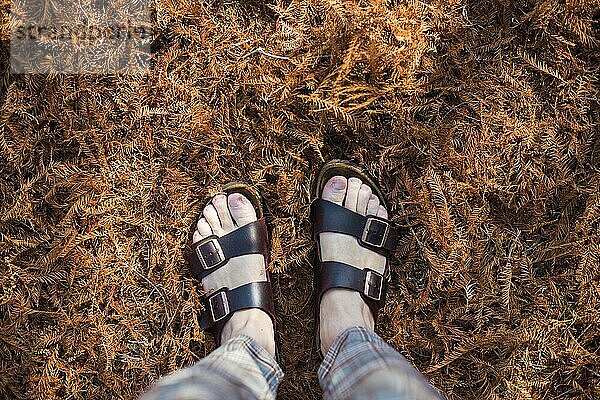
x=212, y=252
x=374, y=233
x=371, y=284
x=219, y=306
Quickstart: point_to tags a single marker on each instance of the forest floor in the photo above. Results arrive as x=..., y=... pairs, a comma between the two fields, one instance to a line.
x=479, y=118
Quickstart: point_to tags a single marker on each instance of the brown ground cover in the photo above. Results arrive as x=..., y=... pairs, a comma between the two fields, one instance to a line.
x=480, y=118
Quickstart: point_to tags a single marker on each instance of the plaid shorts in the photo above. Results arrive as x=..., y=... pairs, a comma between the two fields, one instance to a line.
x=358, y=365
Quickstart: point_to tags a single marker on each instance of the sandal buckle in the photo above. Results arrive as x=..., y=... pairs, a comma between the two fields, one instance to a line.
x=373, y=285
x=376, y=232
x=210, y=253
x=218, y=309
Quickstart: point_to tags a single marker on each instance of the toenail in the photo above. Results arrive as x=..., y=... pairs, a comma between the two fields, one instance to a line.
x=219, y=198
x=339, y=184
x=238, y=201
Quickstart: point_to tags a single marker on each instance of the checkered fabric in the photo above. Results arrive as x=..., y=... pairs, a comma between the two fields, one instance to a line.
x=360, y=365
x=238, y=369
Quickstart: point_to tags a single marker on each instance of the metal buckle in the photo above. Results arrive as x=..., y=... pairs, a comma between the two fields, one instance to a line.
x=378, y=225
x=210, y=253
x=373, y=280
x=223, y=311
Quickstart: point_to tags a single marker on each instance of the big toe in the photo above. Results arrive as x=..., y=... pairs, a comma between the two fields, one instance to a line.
x=241, y=209
x=335, y=190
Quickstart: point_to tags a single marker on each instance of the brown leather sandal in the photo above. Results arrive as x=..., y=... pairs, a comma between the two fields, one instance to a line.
x=371, y=232
x=213, y=252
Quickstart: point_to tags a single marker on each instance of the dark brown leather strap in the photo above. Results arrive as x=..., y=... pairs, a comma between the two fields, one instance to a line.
x=220, y=305
x=369, y=283
x=213, y=252
x=373, y=233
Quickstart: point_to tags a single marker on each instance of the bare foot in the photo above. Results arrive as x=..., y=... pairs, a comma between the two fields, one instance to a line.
x=343, y=308
x=225, y=214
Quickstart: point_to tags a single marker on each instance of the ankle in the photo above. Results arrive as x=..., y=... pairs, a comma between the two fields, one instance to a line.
x=347, y=306
x=342, y=309
x=254, y=323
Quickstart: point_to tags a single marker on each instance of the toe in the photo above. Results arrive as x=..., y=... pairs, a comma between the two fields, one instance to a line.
x=241, y=208
x=373, y=206
x=364, y=195
x=220, y=204
x=335, y=190
x=197, y=237
x=354, y=185
x=210, y=213
x=203, y=228
x=382, y=213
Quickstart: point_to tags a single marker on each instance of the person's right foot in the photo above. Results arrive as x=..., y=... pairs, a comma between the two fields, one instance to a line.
x=343, y=308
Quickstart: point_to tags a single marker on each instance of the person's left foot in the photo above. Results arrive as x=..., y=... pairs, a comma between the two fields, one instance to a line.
x=223, y=215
